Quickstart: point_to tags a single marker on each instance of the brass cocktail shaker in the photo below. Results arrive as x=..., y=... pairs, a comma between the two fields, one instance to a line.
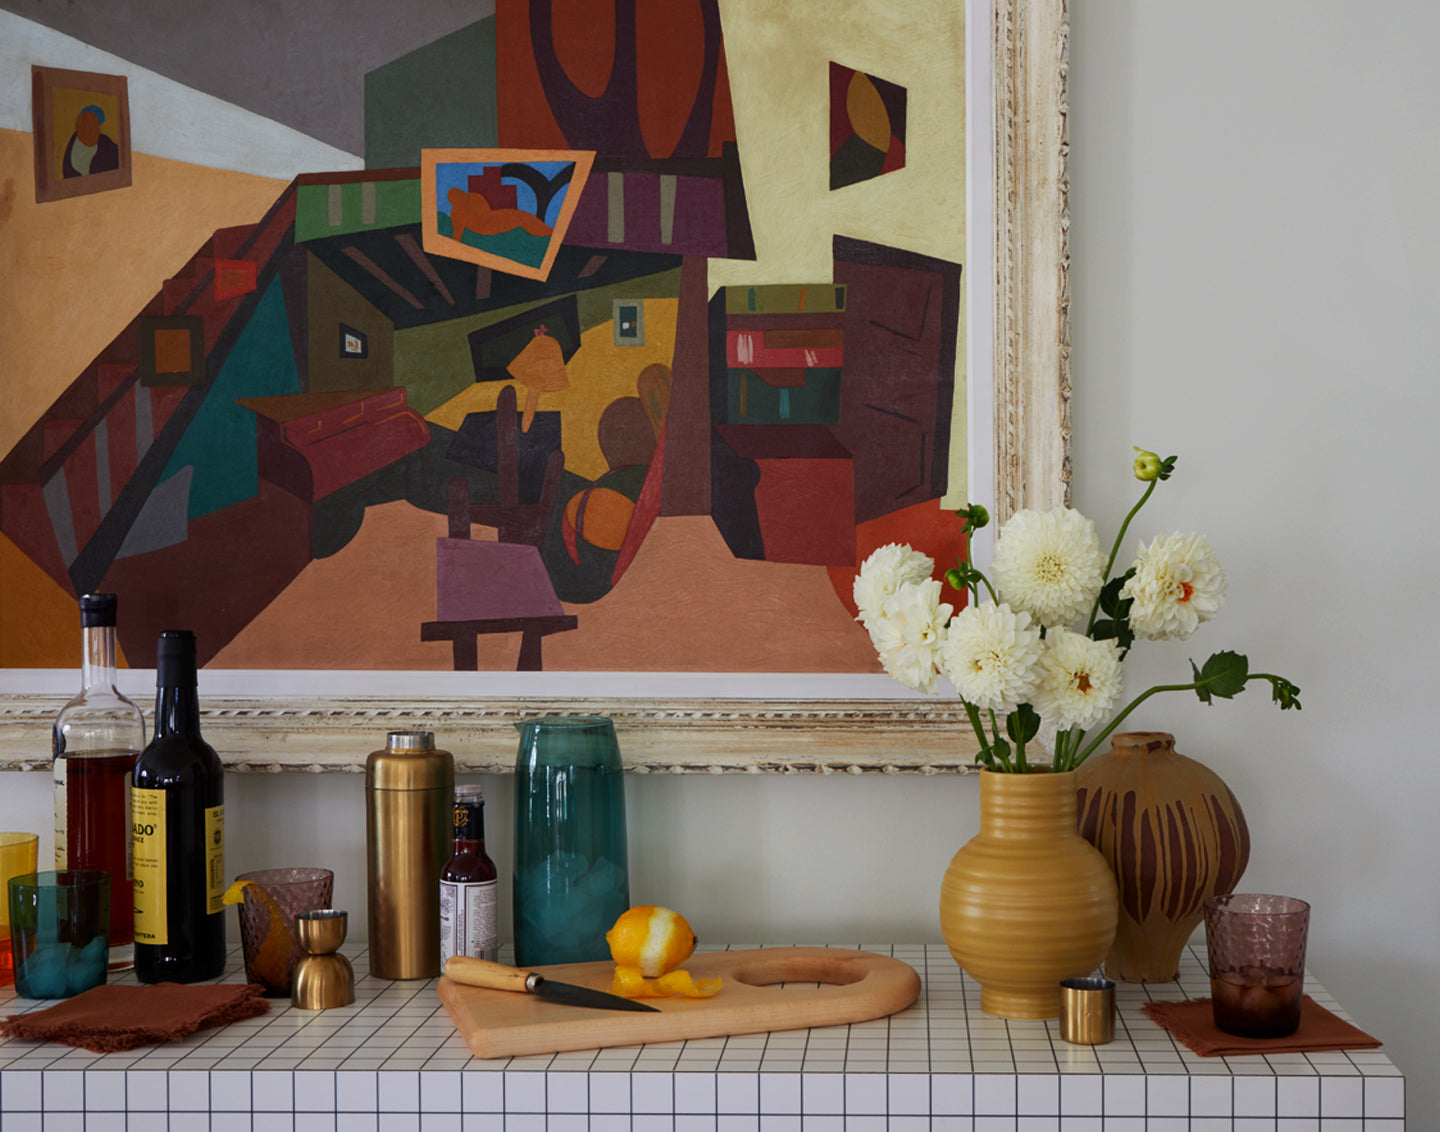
x=408, y=791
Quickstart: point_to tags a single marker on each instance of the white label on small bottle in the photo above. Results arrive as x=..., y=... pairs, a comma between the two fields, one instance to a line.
x=467, y=920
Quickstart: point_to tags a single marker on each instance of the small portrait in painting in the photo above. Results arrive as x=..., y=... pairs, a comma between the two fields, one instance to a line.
x=90, y=149
x=82, y=132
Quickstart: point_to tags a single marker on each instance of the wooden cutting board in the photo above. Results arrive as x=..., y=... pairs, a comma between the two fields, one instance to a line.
x=772, y=988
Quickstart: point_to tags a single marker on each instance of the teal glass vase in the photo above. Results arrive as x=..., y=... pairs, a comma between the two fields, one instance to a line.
x=571, y=867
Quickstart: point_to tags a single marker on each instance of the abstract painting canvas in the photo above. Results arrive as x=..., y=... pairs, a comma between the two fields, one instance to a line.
x=642, y=326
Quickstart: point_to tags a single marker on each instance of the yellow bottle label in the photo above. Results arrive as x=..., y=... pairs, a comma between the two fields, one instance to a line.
x=147, y=843
x=214, y=859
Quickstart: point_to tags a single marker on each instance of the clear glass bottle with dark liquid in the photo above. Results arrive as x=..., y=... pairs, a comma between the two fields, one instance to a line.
x=468, y=924
x=178, y=824
x=96, y=739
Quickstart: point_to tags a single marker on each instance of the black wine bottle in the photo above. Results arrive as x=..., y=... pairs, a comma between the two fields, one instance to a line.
x=178, y=814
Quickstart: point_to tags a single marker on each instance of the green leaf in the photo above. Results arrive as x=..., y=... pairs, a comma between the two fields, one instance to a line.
x=1120, y=630
x=1022, y=724
x=999, y=755
x=1224, y=675
x=1167, y=467
x=1117, y=622
x=1201, y=692
x=1110, y=602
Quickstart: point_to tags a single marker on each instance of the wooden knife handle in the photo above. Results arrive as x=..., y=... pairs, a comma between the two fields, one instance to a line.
x=483, y=973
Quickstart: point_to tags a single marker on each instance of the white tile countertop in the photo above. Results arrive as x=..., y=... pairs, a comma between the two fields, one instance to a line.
x=393, y=1061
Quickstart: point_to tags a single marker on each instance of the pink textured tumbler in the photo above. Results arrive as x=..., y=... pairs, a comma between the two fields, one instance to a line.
x=1257, y=962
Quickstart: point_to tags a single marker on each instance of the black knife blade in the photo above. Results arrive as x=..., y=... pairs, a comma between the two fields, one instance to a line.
x=569, y=994
x=483, y=973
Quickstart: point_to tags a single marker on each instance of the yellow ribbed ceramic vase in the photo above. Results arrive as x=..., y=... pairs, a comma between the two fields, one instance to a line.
x=1028, y=901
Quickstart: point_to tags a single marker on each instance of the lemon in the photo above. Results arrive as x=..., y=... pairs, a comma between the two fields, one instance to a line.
x=652, y=938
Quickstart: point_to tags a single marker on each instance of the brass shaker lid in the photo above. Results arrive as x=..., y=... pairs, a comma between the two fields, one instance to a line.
x=410, y=761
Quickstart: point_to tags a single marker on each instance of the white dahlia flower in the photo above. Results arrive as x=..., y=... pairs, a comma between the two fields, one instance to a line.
x=991, y=655
x=1048, y=564
x=883, y=573
x=1177, y=584
x=1080, y=679
x=909, y=633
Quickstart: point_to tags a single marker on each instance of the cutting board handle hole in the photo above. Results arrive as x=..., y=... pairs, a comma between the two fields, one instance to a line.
x=766, y=973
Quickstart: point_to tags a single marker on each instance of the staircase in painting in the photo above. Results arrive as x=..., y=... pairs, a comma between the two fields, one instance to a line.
x=74, y=486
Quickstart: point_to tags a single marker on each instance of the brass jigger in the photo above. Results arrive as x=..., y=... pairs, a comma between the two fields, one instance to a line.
x=323, y=979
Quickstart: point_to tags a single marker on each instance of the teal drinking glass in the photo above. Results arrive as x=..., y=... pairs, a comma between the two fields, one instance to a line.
x=60, y=931
x=571, y=868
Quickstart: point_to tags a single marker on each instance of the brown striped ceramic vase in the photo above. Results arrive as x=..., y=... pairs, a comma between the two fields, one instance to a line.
x=1027, y=901
x=1175, y=836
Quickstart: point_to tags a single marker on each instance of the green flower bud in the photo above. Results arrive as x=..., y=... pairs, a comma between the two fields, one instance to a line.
x=1147, y=466
x=975, y=517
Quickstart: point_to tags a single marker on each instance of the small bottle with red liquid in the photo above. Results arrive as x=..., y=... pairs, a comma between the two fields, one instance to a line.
x=96, y=739
x=468, y=924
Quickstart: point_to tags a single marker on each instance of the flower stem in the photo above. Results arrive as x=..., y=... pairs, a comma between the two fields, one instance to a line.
x=1020, y=767
x=1115, y=548
x=1089, y=750
x=978, y=726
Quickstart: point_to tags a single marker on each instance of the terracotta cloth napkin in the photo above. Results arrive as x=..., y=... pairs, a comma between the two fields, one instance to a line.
x=1194, y=1025
x=106, y=1019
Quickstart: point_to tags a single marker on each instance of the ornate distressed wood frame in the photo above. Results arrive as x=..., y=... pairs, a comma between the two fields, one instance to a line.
x=1032, y=469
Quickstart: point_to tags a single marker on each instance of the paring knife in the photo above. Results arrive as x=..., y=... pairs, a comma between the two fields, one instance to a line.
x=483, y=973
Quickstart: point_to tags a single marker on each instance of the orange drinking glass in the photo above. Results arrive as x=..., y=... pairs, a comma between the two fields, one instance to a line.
x=19, y=854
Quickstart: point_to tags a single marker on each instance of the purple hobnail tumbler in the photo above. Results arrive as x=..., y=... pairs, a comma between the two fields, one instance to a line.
x=1257, y=962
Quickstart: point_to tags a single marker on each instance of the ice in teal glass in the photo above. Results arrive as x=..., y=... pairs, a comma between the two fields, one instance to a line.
x=60, y=931
x=571, y=866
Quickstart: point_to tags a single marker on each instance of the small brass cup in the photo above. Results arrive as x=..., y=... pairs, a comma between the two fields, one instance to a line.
x=323, y=979
x=321, y=932
x=1087, y=1011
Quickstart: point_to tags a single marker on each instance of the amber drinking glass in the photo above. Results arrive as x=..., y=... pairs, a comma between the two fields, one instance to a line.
x=1256, y=946
x=19, y=854
x=271, y=901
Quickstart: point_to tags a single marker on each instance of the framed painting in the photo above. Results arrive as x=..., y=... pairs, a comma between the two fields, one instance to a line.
x=523, y=238
x=653, y=253
x=82, y=132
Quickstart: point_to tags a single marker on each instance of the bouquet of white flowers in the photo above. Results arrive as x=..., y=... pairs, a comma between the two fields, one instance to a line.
x=1021, y=659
